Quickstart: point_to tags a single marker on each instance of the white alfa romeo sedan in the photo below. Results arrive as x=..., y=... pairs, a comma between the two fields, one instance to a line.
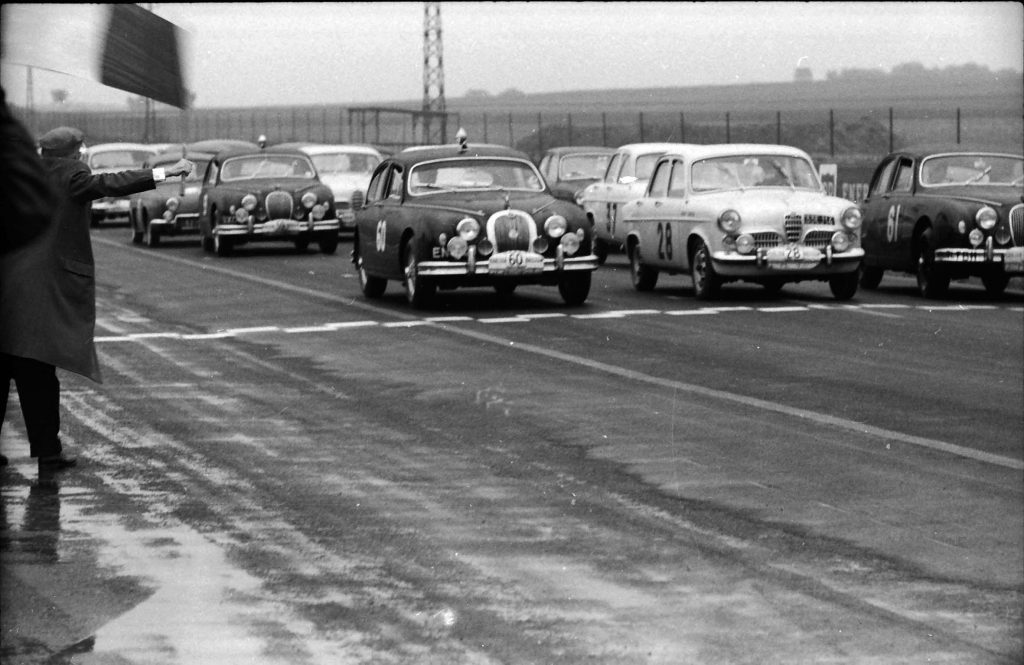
x=750, y=212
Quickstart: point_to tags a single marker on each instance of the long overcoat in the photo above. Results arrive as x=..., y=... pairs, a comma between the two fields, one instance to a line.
x=47, y=287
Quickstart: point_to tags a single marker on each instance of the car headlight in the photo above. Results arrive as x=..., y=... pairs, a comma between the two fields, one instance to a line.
x=851, y=218
x=840, y=241
x=242, y=215
x=976, y=237
x=457, y=247
x=745, y=243
x=318, y=212
x=249, y=202
x=570, y=243
x=986, y=218
x=468, y=229
x=555, y=226
x=308, y=200
x=729, y=221
x=173, y=203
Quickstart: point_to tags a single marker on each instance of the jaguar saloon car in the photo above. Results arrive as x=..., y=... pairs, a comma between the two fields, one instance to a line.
x=345, y=169
x=172, y=208
x=944, y=214
x=750, y=212
x=113, y=158
x=265, y=195
x=625, y=179
x=464, y=215
x=570, y=169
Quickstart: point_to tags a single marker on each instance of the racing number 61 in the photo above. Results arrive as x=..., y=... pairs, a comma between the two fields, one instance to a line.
x=892, y=224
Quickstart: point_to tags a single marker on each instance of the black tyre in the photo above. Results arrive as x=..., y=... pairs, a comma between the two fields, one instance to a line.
x=574, y=288
x=328, y=244
x=419, y=292
x=133, y=224
x=643, y=277
x=505, y=289
x=151, y=235
x=773, y=286
x=371, y=286
x=222, y=246
x=995, y=283
x=844, y=286
x=706, y=283
x=871, y=277
x=600, y=251
x=301, y=245
x=932, y=281
x=207, y=243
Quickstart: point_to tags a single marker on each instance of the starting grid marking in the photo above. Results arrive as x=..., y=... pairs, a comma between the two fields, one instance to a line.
x=881, y=309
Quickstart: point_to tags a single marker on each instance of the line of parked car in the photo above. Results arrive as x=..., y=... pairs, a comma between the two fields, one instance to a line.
x=467, y=214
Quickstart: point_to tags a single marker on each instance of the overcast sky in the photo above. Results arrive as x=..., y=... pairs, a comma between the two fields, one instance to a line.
x=359, y=53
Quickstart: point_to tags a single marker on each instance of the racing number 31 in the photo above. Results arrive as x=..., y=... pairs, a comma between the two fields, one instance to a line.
x=665, y=241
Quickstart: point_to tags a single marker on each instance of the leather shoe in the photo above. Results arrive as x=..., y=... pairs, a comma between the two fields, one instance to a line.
x=56, y=462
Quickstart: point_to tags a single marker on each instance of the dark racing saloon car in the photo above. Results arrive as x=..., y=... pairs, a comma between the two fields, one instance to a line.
x=468, y=215
x=252, y=195
x=945, y=214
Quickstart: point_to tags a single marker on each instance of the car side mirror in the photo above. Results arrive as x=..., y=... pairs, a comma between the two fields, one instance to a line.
x=358, y=200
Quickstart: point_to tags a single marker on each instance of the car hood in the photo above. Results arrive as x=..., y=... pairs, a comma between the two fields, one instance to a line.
x=773, y=201
x=487, y=203
x=343, y=184
x=992, y=195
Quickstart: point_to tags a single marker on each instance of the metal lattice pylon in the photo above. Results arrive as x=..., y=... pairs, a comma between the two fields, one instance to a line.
x=434, y=125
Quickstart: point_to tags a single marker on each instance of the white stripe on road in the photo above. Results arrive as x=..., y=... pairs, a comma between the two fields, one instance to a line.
x=410, y=320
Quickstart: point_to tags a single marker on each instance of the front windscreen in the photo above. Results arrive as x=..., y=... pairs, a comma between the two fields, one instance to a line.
x=747, y=171
x=577, y=167
x=474, y=174
x=345, y=163
x=118, y=159
x=975, y=169
x=267, y=166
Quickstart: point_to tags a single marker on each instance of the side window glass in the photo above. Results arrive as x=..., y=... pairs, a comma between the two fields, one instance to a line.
x=545, y=167
x=395, y=190
x=884, y=177
x=373, y=191
x=659, y=182
x=627, y=168
x=677, y=184
x=612, y=174
x=904, y=176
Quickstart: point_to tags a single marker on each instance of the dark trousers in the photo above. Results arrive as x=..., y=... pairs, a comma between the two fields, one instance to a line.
x=39, y=393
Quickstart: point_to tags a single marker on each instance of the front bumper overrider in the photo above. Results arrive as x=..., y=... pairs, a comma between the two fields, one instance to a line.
x=276, y=228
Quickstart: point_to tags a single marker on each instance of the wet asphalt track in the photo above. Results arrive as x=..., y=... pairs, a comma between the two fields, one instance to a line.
x=278, y=471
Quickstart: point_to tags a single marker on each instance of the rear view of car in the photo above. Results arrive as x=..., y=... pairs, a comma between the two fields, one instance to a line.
x=113, y=158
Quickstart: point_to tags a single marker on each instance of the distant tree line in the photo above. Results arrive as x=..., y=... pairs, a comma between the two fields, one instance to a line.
x=915, y=72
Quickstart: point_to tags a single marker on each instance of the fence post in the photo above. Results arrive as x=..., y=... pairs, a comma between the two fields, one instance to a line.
x=890, y=129
x=778, y=127
x=604, y=129
x=958, y=125
x=568, y=120
x=831, y=133
x=728, y=129
x=511, y=140
x=485, y=129
x=682, y=128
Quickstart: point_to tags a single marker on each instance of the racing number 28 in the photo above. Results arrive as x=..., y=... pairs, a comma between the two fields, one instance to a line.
x=665, y=241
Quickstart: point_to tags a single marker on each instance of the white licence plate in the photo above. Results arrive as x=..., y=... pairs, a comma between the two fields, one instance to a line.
x=792, y=257
x=515, y=263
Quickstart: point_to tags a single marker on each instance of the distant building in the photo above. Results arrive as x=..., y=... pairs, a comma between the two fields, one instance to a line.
x=803, y=75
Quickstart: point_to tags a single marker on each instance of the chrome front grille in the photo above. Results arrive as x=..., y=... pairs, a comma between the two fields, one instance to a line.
x=279, y=205
x=1017, y=225
x=818, y=239
x=511, y=229
x=794, y=225
x=766, y=239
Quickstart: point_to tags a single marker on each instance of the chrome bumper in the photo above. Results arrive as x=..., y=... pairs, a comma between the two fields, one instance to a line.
x=274, y=228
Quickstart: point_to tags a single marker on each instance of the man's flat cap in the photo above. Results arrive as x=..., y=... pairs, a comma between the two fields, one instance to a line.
x=62, y=140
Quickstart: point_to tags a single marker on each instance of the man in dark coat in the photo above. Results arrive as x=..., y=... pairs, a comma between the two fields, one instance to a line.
x=48, y=292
